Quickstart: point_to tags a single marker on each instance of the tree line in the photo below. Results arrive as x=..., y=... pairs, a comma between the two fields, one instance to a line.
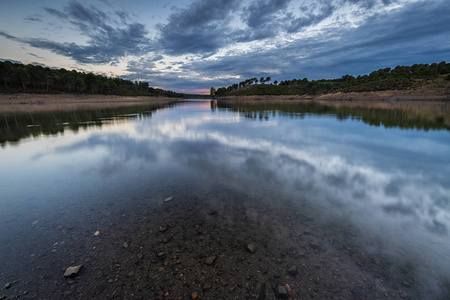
x=30, y=78
x=398, y=78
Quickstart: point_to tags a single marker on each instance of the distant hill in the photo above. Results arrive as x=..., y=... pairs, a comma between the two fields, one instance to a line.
x=19, y=78
x=418, y=76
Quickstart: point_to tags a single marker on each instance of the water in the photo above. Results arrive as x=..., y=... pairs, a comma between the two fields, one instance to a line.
x=360, y=211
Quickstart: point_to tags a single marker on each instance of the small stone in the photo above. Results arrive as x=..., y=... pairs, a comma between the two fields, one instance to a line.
x=168, y=199
x=166, y=294
x=210, y=260
x=251, y=247
x=162, y=229
x=206, y=286
x=315, y=245
x=34, y=222
x=160, y=269
x=8, y=285
x=194, y=295
x=293, y=271
x=72, y=271
x=96, y=233
x=406, y=283
x=125, y=245
x=161, y=254
x=282, y=292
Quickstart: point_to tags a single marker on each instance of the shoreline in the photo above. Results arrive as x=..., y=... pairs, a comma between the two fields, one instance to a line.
x=25, y=103
x=377, y=96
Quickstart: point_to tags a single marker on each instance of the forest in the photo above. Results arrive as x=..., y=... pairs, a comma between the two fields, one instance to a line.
x=398, y=78
x=19, y=78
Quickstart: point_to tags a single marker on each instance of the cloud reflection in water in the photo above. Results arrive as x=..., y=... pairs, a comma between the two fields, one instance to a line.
x=384, y=180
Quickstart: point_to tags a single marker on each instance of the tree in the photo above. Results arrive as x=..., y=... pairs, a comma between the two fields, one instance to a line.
x=261, y=80
x=212, y=92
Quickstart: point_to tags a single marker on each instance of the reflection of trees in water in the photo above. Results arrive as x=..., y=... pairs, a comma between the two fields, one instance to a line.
x=409, y=115
x=14, y=127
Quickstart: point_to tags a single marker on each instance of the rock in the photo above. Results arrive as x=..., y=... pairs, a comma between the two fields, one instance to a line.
x=251, y=248
x=96, y=233
x=293, y=271
x=125, y=245
x=8, y=285
x=168, y=199
x=72, y=271
x=163, y=229
x=194, y=295
x=315, y=245
x=206, y=286
x=282, y=292
x=210, y=260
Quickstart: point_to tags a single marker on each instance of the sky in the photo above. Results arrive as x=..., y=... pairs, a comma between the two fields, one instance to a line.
x=190, y=46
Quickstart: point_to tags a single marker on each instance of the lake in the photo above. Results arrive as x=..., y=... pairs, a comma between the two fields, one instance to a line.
x=203, y=199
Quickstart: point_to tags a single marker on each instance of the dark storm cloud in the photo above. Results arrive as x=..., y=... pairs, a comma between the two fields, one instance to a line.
x=310, y=18
x=108, y=41
x=200, y=28
x=383, y=40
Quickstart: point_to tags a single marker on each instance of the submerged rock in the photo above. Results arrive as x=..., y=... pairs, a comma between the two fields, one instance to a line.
x=210, y=260
x=251, y=247
x=282, y=292
x=293, y=271
x=72, y=271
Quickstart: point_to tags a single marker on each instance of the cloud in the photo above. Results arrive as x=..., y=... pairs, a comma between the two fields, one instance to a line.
x=384, y=39
x=201, y=28
x=33, y=18
x=110, y=37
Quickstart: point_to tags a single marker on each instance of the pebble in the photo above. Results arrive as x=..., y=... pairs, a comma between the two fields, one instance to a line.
x=210, y=260
x=162, y=229
x=8, y=285
x=72, y=271
x=96, y=233
x=315, y=245
x=282, y=292
x=293, y=271
x=125, y=245
x=168, y=199
x=406, y=283
x=251, y=248
x=194, y=295
x=206, y=286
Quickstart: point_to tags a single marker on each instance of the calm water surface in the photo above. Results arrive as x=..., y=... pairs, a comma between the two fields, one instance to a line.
x=389, y=189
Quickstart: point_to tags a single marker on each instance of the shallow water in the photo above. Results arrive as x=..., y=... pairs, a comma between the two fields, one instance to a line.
x=361, y=211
